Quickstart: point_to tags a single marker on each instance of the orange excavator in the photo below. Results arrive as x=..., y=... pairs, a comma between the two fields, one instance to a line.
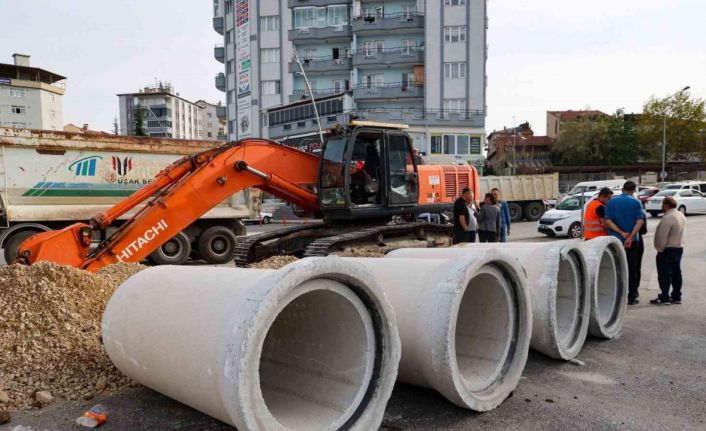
x=366, y=185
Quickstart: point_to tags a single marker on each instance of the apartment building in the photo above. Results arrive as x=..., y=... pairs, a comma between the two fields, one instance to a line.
x=213, y=121
x=420, y=62
x=164, y=113
x=30, y=97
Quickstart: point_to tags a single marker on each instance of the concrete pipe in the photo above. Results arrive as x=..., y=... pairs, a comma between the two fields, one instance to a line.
x=608, y=275
x=312, y=346
x=559, y=290
x=465, y=324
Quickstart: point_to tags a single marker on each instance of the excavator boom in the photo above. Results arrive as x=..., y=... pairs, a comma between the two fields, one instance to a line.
x=181, y=194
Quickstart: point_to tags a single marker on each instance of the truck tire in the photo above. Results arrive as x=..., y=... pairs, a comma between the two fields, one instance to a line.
x=13, y=244
x=176, y=251
x=533, y=211
x=216, y=244
x=515, y=211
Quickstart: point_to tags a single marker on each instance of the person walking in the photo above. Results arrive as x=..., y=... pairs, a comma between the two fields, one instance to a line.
x=594, y=224
x=461, y=216
x=489, y=220
x=472, y=219
x=625, y=217
x=505, y=219
x=669, y=243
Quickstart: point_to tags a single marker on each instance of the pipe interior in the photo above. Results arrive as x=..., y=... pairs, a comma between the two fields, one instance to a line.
x=484, y=329
x=317, y=359
x=607, y=287
x=568, y=300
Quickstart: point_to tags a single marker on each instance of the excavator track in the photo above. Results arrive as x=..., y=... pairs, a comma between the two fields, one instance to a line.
x=374, y=234
x=250, y=249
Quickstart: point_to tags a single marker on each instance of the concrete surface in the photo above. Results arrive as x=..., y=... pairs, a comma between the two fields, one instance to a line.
x=652, y=377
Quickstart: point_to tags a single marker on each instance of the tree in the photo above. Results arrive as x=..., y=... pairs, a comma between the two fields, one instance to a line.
x=139, y=121
x=608, y=140
x=116, y=128
x=685, y=127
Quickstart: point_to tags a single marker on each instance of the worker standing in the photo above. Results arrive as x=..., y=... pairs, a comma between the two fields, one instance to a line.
x=625, y=217
x=594, y=224
x=489, y=220
x=505, y=219
x=669, y=243
x=472, y=219
x=461, y=216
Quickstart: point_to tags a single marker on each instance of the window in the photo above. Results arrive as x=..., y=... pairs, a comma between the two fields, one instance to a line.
x=455, y=33
x=408, y=47
x=269, y=55
x=229, y=6
x=229, y=36
x=373, y=48
x=454, y=2
x=19, y=125
x=373, y=81
x=309, y=54
x=269, y=23
x=337, y=15
x=454, y=105
x=454, y=70
x=436, y=144
x=52, y=114
x=270, y=88
x=230, y=69
x=17, y=92
x=457, y=144
x=231, y=96
x=210, y=135
x=338, y=85
x=17, y=109
x=304, y=17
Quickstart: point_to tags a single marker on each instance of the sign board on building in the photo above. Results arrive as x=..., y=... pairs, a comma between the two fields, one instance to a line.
x=243, y=69
x=5, y=81
x=244, y=120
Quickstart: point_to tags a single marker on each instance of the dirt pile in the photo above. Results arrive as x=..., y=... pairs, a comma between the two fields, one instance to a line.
x=50, y=332
x=274, y=262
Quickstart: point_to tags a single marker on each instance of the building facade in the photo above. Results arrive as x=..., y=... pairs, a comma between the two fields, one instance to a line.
x=164, y=113
x=213, y=121
x=556, y=118
x=417, y=62
x=513, y=151
x=30, y=97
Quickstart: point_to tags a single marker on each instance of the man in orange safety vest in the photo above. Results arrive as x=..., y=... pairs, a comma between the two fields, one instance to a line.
x=594, y=216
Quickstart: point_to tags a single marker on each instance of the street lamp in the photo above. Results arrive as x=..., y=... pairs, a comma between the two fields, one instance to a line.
x=311, y=94
x=663, y=174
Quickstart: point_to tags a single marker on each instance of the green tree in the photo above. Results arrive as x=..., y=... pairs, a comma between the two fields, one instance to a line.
x=608, y=140
x=139, y=121
x=685, y=119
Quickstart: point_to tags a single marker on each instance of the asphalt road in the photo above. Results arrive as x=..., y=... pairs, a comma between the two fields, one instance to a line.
x=653, y=377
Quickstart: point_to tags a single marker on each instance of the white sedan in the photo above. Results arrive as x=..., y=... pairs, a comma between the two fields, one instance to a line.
x=688, y=202
x=565, y=219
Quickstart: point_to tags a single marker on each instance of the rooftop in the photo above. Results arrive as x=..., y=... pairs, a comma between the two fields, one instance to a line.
x=28, y=73
x=574, y=115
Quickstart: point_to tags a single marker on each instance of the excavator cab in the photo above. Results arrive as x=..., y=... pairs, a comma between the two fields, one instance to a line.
x=368, y=170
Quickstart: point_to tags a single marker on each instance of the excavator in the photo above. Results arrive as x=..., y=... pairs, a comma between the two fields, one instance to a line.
x=366, y=185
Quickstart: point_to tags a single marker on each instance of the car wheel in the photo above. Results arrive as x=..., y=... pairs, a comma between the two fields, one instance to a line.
x=682, y=209
x=176, y=251
x=266, y=220
x=13, y=244
x=217, y=244
x=654, y=213
x=575, y=230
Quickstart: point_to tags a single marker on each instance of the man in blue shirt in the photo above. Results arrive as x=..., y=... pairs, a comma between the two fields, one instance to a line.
x=624, y=216
x=505, y=219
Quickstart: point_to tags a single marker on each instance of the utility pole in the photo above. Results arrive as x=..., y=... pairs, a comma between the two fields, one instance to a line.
x=663, y=173
x=311, y=94
x=514, y=146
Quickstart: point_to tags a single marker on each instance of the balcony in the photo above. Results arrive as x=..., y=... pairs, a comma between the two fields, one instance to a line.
x=221, y=112
x=305, y=126
x=322, y=64
x=300, y=94
x=331, y=34
x=423, y=117
x=219, y=51
x=403, y=22
x=221, y=81
x=316, y=3
x=219, y=25
x=401, y=56
x=394, y=90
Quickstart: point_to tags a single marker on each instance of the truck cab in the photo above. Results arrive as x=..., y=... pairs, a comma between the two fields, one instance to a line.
x=368, y=170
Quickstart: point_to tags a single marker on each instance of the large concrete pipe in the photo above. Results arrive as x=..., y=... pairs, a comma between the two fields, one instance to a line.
x=465, y=324
x=608, y=275
x=559, y=290
x=312, y=346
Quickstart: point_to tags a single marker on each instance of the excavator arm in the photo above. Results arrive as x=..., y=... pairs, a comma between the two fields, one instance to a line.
x=177, y=197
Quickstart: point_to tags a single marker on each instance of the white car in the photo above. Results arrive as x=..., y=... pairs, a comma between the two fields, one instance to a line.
x=689, y=201
x=565, y=219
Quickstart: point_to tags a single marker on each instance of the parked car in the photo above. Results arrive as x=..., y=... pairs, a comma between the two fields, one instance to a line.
x=688, y=201
x=594, y=186
x=699, y=186
x=647, y=193
x=565, y=219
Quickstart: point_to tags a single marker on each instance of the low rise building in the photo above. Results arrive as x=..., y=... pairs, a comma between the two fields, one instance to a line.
x=516, y=150
x=30, y=97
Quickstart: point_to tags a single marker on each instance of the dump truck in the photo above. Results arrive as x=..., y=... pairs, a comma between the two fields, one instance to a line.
x=526, y=195
x=50, y=180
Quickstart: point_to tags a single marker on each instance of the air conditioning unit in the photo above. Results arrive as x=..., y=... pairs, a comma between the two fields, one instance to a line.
x=304, y=30
x=338, y=28
x=337, y=61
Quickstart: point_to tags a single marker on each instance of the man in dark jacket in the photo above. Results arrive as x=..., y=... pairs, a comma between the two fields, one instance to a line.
x=505, y=219
x=461, y=216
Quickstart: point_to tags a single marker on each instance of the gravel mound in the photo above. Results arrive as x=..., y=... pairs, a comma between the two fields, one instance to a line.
x=274, y=262
x=50, y=333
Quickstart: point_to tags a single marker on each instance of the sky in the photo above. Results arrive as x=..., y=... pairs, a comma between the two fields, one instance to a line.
x=543, y=54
